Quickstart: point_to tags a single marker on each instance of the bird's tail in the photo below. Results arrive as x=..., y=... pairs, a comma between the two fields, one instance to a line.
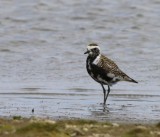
x=130, y=80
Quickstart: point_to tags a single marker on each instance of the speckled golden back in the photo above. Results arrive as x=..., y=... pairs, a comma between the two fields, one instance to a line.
x=110, y=67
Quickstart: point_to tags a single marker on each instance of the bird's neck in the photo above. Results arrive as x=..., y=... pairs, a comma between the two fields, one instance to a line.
x=92, y=58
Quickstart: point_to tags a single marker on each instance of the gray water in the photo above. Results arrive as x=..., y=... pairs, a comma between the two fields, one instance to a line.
x=42, y=65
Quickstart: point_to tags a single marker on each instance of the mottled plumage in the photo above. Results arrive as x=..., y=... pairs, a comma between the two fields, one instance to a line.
x=104, y=70
x=112, y=70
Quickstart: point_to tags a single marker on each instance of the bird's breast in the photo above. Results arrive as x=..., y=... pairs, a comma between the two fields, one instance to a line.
x=99, y=75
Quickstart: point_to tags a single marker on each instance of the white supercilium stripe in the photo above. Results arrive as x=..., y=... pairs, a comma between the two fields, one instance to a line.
x=92, y=47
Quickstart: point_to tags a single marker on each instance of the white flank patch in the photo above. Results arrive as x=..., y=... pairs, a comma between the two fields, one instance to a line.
x=92, y=47
x=111, y=75
x=117, y=78
x=97, y=59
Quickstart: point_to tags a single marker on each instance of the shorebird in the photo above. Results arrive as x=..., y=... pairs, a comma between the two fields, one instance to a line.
x=104, y=70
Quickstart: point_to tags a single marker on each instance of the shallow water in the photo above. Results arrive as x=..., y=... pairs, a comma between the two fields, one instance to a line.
x=42, y=65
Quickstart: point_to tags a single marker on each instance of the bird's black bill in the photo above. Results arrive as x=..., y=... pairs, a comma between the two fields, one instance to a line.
x=86, y=52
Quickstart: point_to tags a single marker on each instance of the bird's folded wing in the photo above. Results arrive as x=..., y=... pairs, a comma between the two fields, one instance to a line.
x=107, y=64
x=110, y=68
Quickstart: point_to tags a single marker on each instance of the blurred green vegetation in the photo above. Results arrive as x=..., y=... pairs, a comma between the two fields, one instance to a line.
x=18, y=127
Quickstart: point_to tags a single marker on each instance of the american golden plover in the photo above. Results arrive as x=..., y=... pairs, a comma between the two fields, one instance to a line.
x=103, y=70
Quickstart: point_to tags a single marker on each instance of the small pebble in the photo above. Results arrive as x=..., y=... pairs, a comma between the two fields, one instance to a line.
x=142, y=127
x=115, y=125
x=85, y=129
x=33, y=110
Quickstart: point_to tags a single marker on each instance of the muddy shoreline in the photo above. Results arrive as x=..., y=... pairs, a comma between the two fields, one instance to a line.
x=122, y=108
x=18, y=126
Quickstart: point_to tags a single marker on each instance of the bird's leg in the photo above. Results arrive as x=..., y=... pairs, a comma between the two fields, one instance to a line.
x=107, y=94
x=104, y=92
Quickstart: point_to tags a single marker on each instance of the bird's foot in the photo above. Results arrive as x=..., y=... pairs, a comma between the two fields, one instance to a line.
x=104, y=104
x=105, y=107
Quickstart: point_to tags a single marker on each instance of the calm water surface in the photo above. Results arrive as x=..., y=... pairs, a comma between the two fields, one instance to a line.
x=42, y=65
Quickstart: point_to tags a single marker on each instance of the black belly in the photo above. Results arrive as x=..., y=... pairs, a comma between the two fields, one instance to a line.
x=97, y=72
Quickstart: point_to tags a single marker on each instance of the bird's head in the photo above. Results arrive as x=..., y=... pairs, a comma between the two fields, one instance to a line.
x=93, y=50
